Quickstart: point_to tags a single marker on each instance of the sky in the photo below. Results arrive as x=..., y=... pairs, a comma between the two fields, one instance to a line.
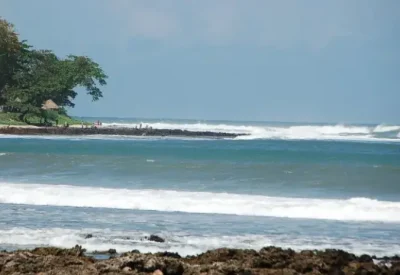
x=284, y=60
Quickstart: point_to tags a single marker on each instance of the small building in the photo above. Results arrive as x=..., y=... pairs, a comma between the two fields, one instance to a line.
x=50, y=105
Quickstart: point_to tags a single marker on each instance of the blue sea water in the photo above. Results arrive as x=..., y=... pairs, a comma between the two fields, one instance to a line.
x=302, y=186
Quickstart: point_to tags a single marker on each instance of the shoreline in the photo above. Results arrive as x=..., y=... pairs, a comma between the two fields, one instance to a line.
x=78, y=130
x=268, y=260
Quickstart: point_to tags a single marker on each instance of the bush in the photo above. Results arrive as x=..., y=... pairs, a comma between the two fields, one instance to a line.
x=49, y=115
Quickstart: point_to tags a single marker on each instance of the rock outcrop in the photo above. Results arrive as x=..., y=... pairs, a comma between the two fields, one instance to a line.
x=269, y=260
x=74, y=131
x=155, y=238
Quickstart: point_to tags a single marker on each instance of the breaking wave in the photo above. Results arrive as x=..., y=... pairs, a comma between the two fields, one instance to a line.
x=295, y=132
x=355, y=209
x=386, y=128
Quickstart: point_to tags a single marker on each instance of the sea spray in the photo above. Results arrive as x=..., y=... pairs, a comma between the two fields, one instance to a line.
x=289, y=132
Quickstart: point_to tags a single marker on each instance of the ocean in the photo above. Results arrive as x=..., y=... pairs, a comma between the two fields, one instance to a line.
x=303, y=186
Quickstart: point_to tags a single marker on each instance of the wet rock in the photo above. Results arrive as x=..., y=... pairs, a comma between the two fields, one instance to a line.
x=44, y=251
x=395, y=268
x=112, y=131
x=337, y=257
x=88, y=236
x=365, y=258
x=169, y=254
x=269, y=260
x=155, y=238
x=111, y=251
x=173, y=268
x=150, y=265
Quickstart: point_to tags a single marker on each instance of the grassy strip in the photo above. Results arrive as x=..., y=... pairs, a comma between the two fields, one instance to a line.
x=13, y=119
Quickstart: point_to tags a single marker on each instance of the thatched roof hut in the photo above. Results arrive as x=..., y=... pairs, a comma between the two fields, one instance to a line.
x=50, y=105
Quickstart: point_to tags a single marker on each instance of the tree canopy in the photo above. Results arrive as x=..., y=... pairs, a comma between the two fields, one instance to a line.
x=9, y=50
x=29, y=76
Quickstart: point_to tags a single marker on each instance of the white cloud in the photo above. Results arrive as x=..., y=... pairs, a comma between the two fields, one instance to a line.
x=283, y=23
x=139, y=19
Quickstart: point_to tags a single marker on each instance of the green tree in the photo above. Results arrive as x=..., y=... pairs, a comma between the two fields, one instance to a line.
x=45, y=76
x=9, y=51
x=28, y=77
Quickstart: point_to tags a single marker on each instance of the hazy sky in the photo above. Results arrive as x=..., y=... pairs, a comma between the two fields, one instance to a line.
x=285, y=60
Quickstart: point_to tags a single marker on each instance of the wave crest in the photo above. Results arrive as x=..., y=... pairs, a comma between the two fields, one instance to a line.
x=386, y=128
x=356, y=209
x=293, y=132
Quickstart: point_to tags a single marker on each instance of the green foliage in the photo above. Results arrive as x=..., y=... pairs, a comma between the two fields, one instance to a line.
x=9, y=50
x=14, y=119
x=10, y=119
x=34, y=76
x=45, y=76
x=49, y=115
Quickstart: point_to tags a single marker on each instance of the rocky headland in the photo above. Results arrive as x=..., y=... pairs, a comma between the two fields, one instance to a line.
x=269, y=260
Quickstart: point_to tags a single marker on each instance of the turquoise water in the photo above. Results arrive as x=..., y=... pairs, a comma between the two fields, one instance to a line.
x=291, y=185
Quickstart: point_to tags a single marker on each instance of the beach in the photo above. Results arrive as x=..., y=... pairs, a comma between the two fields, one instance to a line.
x=199, y=137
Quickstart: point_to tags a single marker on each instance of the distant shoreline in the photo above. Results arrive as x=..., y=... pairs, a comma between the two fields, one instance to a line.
x=78, y=130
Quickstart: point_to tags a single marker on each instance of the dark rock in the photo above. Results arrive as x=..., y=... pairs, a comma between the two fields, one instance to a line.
x=155, y=238
x=44, y=251
x=169, y=254
x=88, y=236
x=395, y=258
x=269, y=260
x=102, y=252
x=337, y=257
x=365, y=259
x=112, y=251
x=307, y=253
x=112, y=131
x=173, y=268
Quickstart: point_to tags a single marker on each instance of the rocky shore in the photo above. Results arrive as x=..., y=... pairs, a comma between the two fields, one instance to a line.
x=75, y=131
x=269, y=260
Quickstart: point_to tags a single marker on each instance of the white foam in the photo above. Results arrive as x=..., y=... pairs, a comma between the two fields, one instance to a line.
x=355, y=209
x=182, y=242
x=295, y=132
x=386, y=128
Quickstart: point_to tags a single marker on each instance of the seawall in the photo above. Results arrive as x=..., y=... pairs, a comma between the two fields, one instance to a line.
x=76, y=131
